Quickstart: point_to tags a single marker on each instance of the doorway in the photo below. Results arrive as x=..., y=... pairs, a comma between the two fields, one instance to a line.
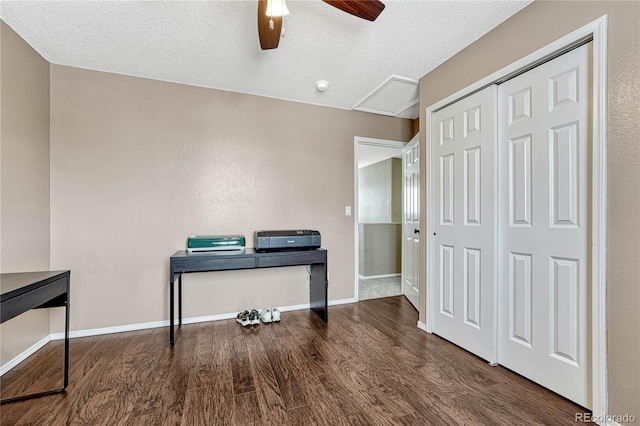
x=378, y=217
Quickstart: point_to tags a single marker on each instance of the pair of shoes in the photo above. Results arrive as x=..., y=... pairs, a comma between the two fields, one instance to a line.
x=270, y=315
x=246, y=318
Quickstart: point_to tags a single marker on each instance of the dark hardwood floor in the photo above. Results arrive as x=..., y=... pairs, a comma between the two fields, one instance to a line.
x=369, y=366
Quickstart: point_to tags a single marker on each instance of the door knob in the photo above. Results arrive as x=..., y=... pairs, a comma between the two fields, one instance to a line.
x=416, y=231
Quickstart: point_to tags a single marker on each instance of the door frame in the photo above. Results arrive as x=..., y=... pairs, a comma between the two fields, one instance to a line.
x=361, y=140
x=596, y=32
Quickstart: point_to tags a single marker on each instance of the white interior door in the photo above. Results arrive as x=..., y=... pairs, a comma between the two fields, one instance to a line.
x=411, y=220
x=544, y=221
x=462, y=161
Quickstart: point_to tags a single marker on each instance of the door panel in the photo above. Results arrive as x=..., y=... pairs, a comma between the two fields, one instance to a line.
x=462, y=161
x=411, y=220
x=528, y=214
x=543, y=225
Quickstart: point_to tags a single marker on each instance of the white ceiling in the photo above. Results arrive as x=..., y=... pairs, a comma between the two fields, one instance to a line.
x=371, y=154
x=215, y=43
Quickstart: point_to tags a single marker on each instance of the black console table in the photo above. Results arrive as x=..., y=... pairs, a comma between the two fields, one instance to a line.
x=34, y=290
x=184, y=262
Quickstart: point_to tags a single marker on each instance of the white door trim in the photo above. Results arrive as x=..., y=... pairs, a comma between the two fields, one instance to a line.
x=361, y=140
x=597, y=32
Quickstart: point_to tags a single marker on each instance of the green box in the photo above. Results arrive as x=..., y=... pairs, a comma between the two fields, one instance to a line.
x=215, y=242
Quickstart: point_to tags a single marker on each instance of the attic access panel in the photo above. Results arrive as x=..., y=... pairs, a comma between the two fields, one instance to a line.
x=396, y=96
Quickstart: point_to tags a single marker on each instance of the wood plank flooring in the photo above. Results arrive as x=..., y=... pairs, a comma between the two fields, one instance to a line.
x=369, y=365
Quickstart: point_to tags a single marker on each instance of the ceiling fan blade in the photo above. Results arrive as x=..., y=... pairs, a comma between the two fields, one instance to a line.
x=365, y=9
x=269, y=38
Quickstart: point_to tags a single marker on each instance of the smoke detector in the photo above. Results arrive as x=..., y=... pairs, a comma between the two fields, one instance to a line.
x=322, y=85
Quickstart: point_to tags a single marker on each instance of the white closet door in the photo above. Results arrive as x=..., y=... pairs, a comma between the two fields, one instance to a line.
x=543, y=221
x=462, y=161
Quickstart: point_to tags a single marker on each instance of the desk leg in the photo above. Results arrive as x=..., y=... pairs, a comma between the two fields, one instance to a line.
x=67, y=309
x=318, y=295
x=179, y=300
x=171, y=331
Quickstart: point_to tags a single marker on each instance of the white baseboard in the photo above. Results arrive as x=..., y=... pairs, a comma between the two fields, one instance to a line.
x=24, y=355
x=112, y=330
x=194, y=320
x=191, y=320
x=422, y=326
x=143, y=326
x=373, y=277
x=342, y=301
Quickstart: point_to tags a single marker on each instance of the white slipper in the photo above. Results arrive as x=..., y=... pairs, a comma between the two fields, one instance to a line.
x=275, y=315
x=265, y=315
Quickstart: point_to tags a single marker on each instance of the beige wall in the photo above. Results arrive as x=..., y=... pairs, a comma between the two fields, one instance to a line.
x=396, y=190
x=24, y=179
x=535, y=26
x=416, y=126
x=379, y=216
x=138, y=165
x=380, y=192
x=380, y=247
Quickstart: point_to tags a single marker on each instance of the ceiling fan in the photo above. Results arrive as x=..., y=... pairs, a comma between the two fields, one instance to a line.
x=270, y=14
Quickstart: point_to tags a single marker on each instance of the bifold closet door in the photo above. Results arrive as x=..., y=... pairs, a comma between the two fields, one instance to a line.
x=543, y=221
x=463, y=166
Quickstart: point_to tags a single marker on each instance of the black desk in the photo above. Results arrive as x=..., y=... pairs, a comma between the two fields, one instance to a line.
x=184, y=262
x=34, y=290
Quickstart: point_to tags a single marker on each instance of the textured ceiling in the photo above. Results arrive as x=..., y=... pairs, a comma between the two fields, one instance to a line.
x=215, y=43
